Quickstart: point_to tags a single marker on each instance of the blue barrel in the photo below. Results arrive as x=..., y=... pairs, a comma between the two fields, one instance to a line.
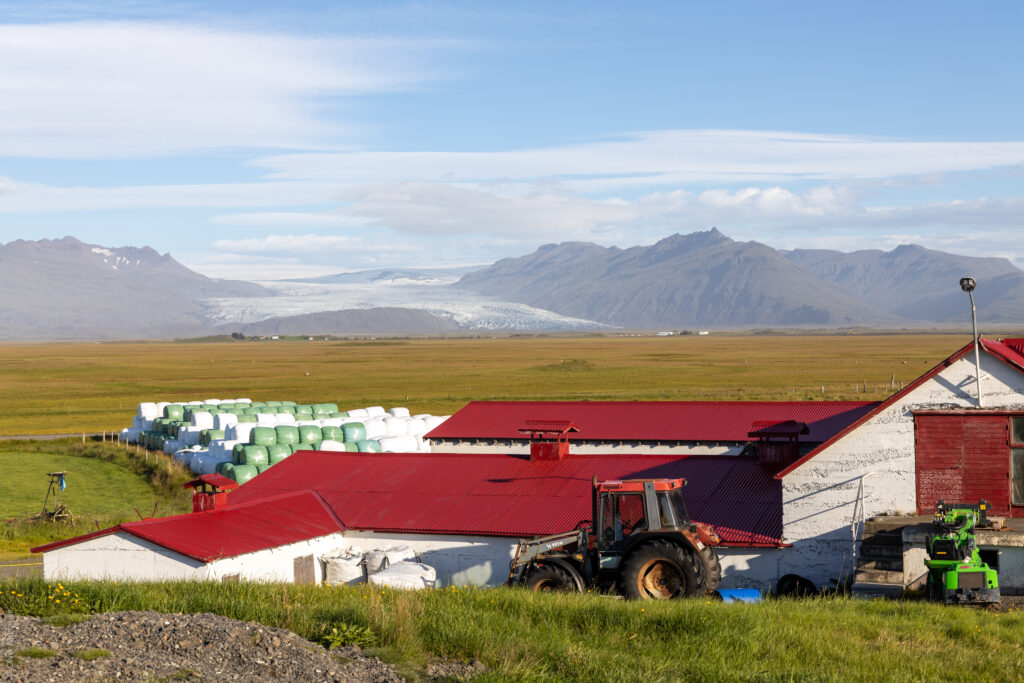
x=740, y=595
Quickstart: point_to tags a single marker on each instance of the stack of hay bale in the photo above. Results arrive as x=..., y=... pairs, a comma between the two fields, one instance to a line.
x=241, y=438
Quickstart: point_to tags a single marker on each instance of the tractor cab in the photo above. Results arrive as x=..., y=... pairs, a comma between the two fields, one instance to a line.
x=624, y=510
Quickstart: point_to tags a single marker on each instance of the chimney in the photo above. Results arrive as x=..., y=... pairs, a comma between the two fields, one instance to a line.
x=210, y=492
x=549, y=439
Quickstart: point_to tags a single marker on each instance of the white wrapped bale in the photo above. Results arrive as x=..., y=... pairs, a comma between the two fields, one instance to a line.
x=375, y=429
x=308, y=423
x=399, y=412
x=224, y=420
x=331, y=445
x=421, y=416
x=398, y=444
x=376, y=411
x=332, y=421
x=422, y=445
x=212, y=402
x=266, y=419
x=241, y=400
x=149, y=411
x=184, y=457
x=435, y=421
x=405, y=576
x=190, y=435
x=172, y=445
x=396, y=426
x=204, y=463
x=358, y=413
x=202, y=419
x=416, y=427
x=285, y=419
x=240, y=431
x=197, y=461
x=222, y=448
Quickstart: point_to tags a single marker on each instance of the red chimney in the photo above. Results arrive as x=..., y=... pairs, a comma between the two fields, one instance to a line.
x=549, y=439
x=210, y=492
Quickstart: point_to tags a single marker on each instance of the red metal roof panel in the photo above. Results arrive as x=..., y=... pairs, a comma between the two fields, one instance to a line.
x=715, y=421
x=506, y=495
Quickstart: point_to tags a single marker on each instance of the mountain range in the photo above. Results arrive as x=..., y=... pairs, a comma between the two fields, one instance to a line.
x=66, y=289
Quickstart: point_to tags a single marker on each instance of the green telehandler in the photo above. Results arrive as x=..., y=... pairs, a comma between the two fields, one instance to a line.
x=956, y=573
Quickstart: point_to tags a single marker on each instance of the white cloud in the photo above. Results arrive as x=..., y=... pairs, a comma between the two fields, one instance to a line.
x=282, y=219
x=660, y=158
x=112, y=89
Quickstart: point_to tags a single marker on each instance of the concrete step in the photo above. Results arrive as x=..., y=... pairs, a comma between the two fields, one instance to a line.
x=878, y=576
x=881, y=552
x=867, y=590
x=883, y=564
x=884, y=524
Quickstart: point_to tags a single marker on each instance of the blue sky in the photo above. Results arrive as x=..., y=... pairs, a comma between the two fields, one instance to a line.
x=265, y=140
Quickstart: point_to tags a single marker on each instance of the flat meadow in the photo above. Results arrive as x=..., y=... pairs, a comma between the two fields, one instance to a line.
x=92, y=387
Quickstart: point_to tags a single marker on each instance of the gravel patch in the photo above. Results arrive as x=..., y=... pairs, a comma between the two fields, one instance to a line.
x=149, y=646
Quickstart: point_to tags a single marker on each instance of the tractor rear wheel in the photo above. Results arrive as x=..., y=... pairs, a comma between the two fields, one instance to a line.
x=549, y=577
x=660, y=570
x=712, y=569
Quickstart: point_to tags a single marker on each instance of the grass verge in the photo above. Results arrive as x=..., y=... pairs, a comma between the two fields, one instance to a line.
x=526, y=636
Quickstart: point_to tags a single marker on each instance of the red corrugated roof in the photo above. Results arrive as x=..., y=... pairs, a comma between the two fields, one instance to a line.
x=714, y=421
x=504, y=495
x=267, y=522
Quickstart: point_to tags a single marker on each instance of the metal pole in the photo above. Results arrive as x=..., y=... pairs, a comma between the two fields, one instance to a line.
x=977, y=354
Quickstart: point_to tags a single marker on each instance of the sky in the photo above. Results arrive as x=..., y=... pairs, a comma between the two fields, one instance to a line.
x=263, y=140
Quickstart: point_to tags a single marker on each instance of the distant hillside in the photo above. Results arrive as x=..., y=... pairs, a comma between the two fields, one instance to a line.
x=701, y=279
x=921, y=284
x=65, y=289
x=353, y=321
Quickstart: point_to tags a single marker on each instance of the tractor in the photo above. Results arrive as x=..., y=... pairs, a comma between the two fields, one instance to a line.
x=640, y=541
x=956, y=572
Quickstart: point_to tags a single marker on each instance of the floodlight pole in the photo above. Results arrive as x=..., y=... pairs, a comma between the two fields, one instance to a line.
x=968, y=284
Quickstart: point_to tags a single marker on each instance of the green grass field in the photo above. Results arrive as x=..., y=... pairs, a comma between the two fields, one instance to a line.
x=527, y=636
x=71, y=388
x=105, y=485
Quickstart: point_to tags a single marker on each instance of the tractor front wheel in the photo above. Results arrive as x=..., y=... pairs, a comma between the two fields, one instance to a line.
x=549, y=577
x=712, y=569
x=660, y=570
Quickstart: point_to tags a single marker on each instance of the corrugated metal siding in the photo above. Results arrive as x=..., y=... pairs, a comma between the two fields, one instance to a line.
x=962, y=459
x=512, y=496
x=728, y=421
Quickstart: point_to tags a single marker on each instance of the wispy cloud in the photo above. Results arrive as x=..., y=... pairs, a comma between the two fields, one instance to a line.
x=114, y=89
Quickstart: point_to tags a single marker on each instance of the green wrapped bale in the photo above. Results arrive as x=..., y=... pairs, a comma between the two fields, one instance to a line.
x=287, y=434
x=324, y=409
x=174, y=411
x=302, y=409
x=225, y=468
x=354, y=431
x=243, y=473
x=208, y=435
x=342, y=414
x=263, y=436
x=248, y=417
x=332, y=433
x=277, y=453
x=263, y=468
x=310, y=434
x=236, y=453
x=368, y=446
x=254, y=455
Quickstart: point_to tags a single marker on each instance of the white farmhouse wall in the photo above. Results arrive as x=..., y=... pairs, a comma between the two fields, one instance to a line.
x=122, y=557
x=275, y=564
x=679, y=449
x=822, y=498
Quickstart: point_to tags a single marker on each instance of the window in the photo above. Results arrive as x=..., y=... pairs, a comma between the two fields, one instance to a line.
x=1017, y=430
x=1017, y=476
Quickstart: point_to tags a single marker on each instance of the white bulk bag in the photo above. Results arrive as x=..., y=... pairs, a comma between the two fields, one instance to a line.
x=405, y=575
x=375, y=561
x=399, y=412
x=344, y=567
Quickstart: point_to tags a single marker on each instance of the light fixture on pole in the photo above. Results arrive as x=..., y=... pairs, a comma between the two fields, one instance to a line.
x=968, y=284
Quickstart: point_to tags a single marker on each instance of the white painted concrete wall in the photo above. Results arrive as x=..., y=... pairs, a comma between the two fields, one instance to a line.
x=120, y=557
x=275, y=564
x=819, y=497
x=123, y=557
x=681, y=449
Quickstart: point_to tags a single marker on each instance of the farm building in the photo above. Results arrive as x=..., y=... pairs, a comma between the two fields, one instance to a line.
x=646, y=427
x=787, y=485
